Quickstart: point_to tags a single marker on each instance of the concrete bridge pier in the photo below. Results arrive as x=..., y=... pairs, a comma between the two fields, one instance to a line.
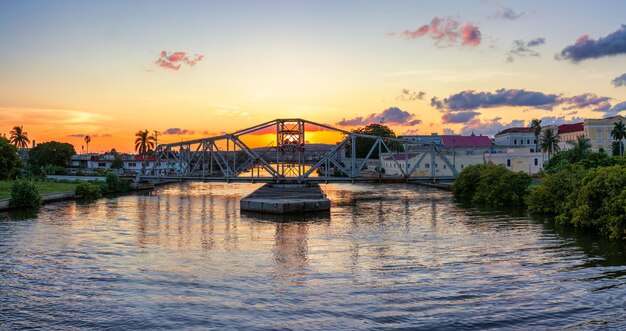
x=286, y=198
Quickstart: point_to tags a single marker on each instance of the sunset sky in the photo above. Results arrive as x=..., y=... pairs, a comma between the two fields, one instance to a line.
x=198, y=68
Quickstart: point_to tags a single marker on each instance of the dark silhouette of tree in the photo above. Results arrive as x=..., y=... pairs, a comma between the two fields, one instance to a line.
x=618, y=133
x=19, y=137
x=581, y=148
x=536, y=124
x=550, y=142
x=87, y=140
x=363, y=145
x=144, y=141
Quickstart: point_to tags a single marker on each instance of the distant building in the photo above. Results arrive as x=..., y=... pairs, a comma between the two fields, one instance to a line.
x=517, y=138
x=460, y=152
x=517, y=160
x=569, y=133
x=131, y=163
x=597, y=130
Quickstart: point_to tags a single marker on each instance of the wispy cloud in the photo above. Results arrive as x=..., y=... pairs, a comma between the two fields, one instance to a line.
x=523, y=48
x=470, y=100
x=392, y=115
x=447, y=32
x=586, y=100
x=506, y=13
x=460, y=117
x=177, y=132
x=586, y=47
x=488, y=127
x=409, y=95
x=619, y=81
x=174, y=60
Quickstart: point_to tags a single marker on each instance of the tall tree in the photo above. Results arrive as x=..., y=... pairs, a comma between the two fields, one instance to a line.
x=19, y=137
x=144, y=141
x=550, y=142
x=581, y=148
x=50, y=153
x=10, y=163
x=363, y=145
x=536, y=124
x=87, y=140
x=618, y=133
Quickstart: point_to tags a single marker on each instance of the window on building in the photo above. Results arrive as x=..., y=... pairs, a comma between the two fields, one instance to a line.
x=508, y=162
x=536, y=161
x=461, y=166
x=535, y=141
x=132, y=164
x=436, y=165
x=599, y=136
x=101, y=165
x=427, y=165
x=515, y=142
x=444, y=166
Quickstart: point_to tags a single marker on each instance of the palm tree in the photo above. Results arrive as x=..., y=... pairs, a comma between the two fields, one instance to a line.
x=536, y=124
x=618, y=133
x=550, y=142
x=19, y=137
x=144, y=141
x=581, y=147
x=87, y=140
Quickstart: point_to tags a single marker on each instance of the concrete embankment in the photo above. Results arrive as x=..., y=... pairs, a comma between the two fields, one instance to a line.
x=286, y=199
x=5, y=204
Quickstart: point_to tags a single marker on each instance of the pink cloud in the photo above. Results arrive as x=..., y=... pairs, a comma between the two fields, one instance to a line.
x=446, y=32
x=174, y=60
x=471, y=35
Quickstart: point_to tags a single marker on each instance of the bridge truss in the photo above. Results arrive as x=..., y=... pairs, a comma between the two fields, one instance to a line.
x=228, y=158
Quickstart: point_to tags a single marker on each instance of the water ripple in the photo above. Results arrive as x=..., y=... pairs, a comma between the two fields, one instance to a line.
x=386, y=257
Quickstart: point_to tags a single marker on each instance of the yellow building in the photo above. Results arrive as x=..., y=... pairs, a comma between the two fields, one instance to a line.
x=599, y=132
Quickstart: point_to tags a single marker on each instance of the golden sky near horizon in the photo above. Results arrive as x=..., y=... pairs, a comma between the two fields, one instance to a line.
x=110, y=69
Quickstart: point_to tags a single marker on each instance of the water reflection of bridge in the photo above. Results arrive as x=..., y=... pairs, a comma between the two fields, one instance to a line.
x=291, y=158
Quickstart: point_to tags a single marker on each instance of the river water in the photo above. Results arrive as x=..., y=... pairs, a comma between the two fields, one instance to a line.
x=386, y=256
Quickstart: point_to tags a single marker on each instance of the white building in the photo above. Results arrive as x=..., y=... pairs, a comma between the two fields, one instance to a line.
x=517, y=137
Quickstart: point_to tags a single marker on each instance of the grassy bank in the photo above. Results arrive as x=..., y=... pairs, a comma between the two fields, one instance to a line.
x=44, y=188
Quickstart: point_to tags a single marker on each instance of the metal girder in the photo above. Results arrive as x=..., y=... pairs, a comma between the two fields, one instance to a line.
x=194, y=158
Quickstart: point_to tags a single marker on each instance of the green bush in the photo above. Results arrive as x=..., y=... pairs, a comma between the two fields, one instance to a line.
x=491, y=185
x=116, y=184
x=465, y=185
x=499, y=186
x=89, y=191
x=24, y=193
x=548, y=197
x=598, y=202
x=51, y=169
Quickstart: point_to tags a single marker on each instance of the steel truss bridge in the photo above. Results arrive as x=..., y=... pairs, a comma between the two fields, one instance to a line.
x=227, y=158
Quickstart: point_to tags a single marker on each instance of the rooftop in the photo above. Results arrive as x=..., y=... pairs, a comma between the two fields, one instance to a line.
x=574, y=127
x=466, y=141
x=516, y=130
x=400, y=156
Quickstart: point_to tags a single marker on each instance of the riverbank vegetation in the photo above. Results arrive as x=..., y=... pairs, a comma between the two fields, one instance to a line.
x=588, y=194
x=578, y=188
x=44, y=187
x=492, y=185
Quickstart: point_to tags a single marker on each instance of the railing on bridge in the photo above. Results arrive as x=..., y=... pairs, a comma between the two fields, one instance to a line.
x=227, y=157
